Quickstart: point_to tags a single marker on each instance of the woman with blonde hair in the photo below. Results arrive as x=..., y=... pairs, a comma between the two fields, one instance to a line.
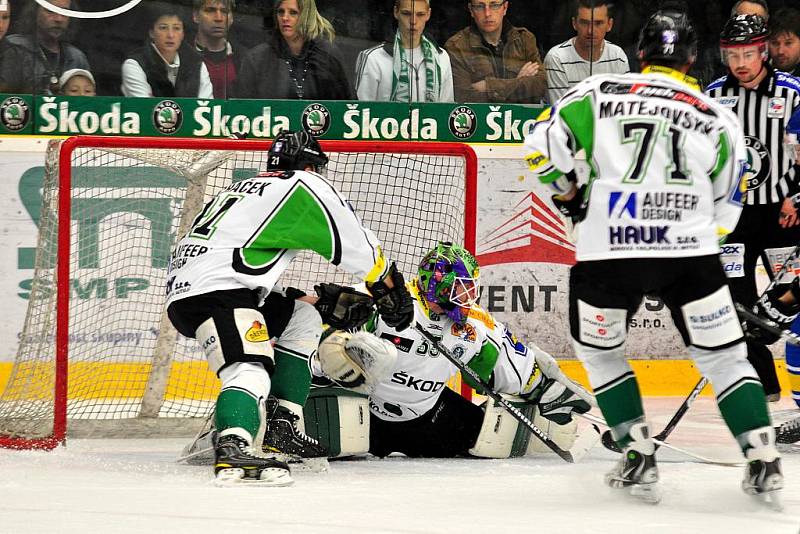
x=298, y=61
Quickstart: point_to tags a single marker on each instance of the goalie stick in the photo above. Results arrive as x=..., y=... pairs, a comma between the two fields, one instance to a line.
x=608, y=441
x=574, y=454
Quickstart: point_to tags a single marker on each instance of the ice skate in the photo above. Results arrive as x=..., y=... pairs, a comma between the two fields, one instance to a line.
x=285, y=440
x=637, y=470
x=788, y=433
x=234, y=464
x=763, y=478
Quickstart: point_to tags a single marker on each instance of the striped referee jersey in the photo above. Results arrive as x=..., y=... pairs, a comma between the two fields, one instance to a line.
x=764, y=113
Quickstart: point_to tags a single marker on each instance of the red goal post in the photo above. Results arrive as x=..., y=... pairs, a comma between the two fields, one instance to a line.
x=108, y=200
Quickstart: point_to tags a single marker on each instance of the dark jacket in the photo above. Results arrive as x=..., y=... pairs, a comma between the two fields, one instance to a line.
x=472, y=61
x=187, y=83
x=25, y=68
x=318, y=72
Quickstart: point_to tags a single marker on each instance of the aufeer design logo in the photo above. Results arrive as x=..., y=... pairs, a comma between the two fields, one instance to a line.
x=122, y=7
x=316, y=119
x=14, y=113
x=167, y=117
x=462, y=122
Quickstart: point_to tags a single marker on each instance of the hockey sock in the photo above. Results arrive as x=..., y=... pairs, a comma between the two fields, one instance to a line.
x=744, y=408
x=237, y=409
x=621, y=404
x=793, y=364
x=292, y=377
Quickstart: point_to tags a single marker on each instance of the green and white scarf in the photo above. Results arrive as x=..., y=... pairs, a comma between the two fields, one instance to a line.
x=401, y=86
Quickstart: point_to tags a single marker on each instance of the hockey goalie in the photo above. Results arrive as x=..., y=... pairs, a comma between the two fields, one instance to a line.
x=412, y=411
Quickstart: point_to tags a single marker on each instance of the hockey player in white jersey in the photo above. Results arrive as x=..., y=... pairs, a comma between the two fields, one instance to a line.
x=412, y=410
x=234, y=254
x=666, y=165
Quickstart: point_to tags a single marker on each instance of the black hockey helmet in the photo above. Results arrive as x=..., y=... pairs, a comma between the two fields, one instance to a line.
x=292, y=151
x=741, y=30
x=668, y=37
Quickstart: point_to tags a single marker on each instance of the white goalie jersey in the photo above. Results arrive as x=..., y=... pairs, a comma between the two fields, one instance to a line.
x=421, y=372
x=666, y=163
x=249, y=233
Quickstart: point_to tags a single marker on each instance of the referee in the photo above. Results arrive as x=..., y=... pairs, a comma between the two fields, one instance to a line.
x=764, y=100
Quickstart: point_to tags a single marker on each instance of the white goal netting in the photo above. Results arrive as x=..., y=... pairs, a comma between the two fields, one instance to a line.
x=126, y=368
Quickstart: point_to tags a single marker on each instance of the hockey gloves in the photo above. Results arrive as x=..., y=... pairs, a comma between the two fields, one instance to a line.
x=556, y=401
x=769, y=306
x=395, y=304
x=573, y=209
x=343, y=307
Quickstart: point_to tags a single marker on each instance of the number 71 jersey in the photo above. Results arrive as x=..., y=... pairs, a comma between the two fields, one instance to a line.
x=247, y=235
x=665, y=165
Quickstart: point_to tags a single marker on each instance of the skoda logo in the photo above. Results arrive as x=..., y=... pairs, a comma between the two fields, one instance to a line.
x=760, y=163
x=462, y=122
x=316, y=119
x=14, y=113
x=167, y=117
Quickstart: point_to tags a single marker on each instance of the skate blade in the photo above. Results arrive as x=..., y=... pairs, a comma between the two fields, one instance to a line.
x=307, y=465
x=270, y=477
x=770, y=499
x=648, y=493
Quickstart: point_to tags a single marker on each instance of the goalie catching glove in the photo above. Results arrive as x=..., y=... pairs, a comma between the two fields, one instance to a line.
x=356, y=361
x=343, y=307
x=395, y=304
x=554, y=394
x=769, y=306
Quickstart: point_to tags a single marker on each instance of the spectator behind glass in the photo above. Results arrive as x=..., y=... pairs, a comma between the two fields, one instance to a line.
x=40, y=54
x=222, y=59
x=751, y=7
x=412, y=68
x=492, y=60
x=164, y=66
x=585, y=54
x=5, y=22
x=77, y=82
x=298, y=61
x=784, y=40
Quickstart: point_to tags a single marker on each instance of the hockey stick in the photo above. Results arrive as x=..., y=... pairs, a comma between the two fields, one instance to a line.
x=662, y=443
x=790, y=337
x=608, y=441
x=571, y=456
x=784, y=267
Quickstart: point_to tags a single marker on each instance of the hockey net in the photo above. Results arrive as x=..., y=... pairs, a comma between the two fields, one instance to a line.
x=97, y=350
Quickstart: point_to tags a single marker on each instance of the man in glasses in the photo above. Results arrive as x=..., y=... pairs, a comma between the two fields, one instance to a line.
x=585, y=54
x=494, y=61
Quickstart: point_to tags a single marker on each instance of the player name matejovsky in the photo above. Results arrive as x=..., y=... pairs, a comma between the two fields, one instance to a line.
x=678, y=117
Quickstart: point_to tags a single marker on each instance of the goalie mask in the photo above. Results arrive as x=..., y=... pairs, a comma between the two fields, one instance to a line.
x=293, y=151
x=448, y=277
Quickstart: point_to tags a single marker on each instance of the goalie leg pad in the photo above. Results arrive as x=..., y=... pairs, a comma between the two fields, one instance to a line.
x=339, y=419
x=502, y=436
x=357, y=361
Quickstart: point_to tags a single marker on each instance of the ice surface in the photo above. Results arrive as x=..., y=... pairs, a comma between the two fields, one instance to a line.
x=127, y=486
